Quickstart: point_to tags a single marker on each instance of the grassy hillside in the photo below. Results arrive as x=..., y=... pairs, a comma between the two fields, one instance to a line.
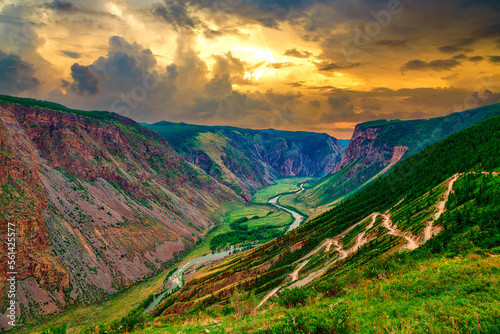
x=447, y=285
x=245, y=159
x=371, y=151
x=438, y=295
x=388, y=216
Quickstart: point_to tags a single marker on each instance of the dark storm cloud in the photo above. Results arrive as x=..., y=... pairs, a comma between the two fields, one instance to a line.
x=16, y=75
x=342, y=109
x=487, y=98
x=281, y=98
x=85, y=81
x=67, y=7
x=63, y=6
x=459, y=57
x=203, y=108
x=219, y=86
x=326, y=66
x=71, y=54
x=315, y=103
x=487, y=31
x=124, y=67
x=298, y=54
x=460, y=46
x=476, y=58
x=494, y=59
x=436, y=65
x=233, y=106
x=176, y=13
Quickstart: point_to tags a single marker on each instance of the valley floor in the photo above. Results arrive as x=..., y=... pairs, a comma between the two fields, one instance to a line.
x=258, y=214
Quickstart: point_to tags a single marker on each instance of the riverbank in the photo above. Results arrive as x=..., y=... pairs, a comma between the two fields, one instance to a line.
x=176, y=281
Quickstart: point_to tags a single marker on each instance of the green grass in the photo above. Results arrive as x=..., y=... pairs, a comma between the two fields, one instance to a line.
x=78, y=317
x=437, y=295
x=287, y=185
x=251, y=224
x=294, y=201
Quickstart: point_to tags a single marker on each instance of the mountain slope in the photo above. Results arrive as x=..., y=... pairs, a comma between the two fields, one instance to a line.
x=446, y=190
x=99, y=201
x=246, y=160
x=377, y=146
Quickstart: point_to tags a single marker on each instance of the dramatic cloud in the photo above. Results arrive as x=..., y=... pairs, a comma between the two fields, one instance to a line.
x=294, y=64
x=494, y=59
x=298, y=54
x=315, y=103
x=16, y=75
x=436, y=65
x=71, y=54
x=476, y=58
x=66, y=7
x=85, y=81
x=328, y=66
x=219, y=86
x=460, y=46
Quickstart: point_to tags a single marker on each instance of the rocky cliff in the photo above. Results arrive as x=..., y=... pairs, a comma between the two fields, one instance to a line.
x=377, y=146
x=99, y=203
x=245, y=159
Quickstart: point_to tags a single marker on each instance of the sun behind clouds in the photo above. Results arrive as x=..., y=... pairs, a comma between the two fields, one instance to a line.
x=327, y=65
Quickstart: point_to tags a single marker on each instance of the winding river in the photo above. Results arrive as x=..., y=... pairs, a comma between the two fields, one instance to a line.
x=297, y=217
x=176, y=278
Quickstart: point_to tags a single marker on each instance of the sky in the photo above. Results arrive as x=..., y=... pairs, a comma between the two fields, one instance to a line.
x=308, y=65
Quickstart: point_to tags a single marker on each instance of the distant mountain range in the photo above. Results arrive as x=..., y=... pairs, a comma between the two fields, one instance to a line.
x=378, y=146
x=246, y=160
x=441, y=201
x=102, y=202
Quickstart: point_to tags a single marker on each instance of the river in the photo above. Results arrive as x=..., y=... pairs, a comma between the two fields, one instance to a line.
x=297, y=217
x=176, y=278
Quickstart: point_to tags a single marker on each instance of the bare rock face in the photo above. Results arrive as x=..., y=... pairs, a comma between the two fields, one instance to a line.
x=24, y=203
x=99, y=203
x=364, y=151
x=246, y=160
x=286, y=154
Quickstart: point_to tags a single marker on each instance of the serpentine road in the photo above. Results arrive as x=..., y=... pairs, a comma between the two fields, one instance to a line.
x=176, y=278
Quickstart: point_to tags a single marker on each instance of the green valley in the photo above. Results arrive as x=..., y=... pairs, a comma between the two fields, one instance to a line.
x=396, y=235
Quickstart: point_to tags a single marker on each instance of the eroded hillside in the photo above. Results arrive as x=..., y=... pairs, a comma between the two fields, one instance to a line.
x=247, y=160
x=375, y=147
x=440, y=200
x=99, y=202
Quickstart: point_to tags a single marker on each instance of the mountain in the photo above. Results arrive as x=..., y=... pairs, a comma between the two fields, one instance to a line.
x=440, y=202
x=99, y=203
x=375, y=147
x=246, y=160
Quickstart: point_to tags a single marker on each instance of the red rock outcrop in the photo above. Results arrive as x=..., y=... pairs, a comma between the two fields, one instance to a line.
x=99, y=202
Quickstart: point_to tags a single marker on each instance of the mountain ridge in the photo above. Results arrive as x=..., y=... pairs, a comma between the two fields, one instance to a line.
x=247, y=159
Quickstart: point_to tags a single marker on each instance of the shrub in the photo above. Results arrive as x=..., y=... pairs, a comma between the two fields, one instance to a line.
x=243, y=302
x=313, y=321
x=293, y=297
x=329, y=288
x=56, y=329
